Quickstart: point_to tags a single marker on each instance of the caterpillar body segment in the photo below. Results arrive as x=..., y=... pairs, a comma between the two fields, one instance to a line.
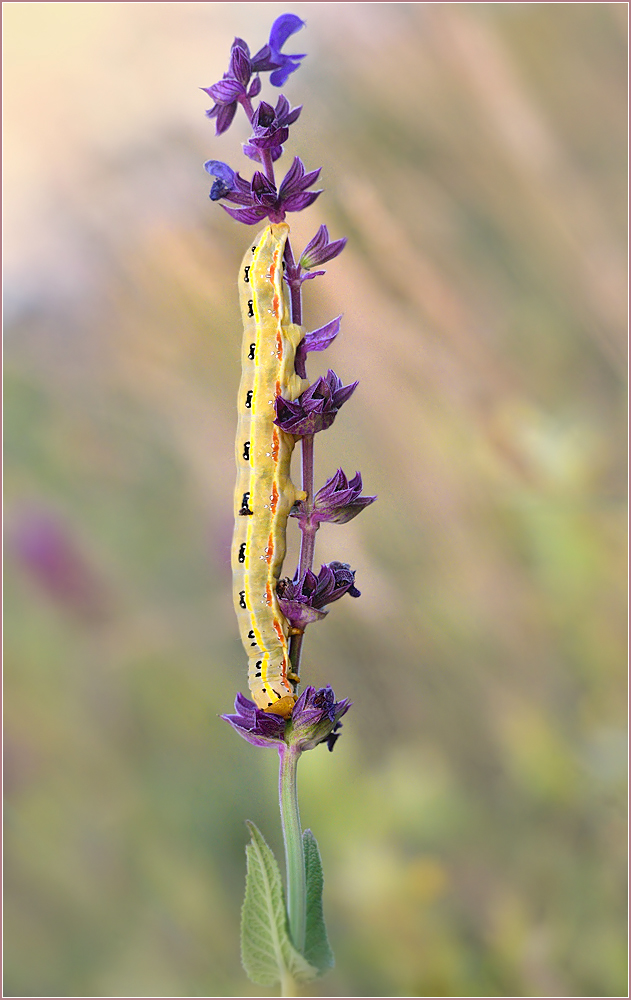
x=264, y=493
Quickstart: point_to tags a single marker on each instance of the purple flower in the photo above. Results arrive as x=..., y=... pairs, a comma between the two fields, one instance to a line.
x=316, y=719
x=271, y=128
x=284, y=65
x=260, y=728
x=259, y=196
x=319, y=250
x=338, y=502
x=302, y=599
x=316, y=408
x=227, y=182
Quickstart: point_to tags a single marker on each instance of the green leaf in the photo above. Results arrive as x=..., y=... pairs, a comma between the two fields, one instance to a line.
x=267, y=953
x=317, y=948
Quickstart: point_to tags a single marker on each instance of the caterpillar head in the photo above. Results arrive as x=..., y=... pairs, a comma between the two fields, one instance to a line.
x=283, y=707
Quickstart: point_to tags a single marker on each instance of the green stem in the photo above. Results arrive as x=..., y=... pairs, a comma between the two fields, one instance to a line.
x=294, y=851
x=288, y=985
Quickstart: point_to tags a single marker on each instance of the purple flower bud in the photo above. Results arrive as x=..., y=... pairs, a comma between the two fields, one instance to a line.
x=338, y=501
x=268, y=133
x=240, y=68
x=320, y=249
x=303, y=599
x=260, y=728
x=316, y=719
x=316, y=408
x=295, y=598
x=317, y=340
x=232, y=88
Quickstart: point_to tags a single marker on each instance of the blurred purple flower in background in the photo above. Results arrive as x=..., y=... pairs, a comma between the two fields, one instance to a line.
x=47, y=550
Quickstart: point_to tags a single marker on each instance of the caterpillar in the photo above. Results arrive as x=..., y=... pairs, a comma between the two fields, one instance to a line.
x=264, y=493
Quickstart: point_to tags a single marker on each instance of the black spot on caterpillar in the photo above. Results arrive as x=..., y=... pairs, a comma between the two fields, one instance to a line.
x=250, y=307
x=252, y=636
x=251, y=354
x=242, y=552
x=242, y=603
x=246, y=275
x=245, y=508
x=246, y=450
x=248, y=399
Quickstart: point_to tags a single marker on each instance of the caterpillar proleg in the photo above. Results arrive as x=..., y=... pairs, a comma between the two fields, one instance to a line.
x=264, y=493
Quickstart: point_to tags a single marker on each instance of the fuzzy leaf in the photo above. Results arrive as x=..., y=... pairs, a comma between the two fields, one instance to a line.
x=317, y=948
x=266, y=950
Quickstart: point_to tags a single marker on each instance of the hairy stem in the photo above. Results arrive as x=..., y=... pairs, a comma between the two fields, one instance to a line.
x=246, y=103
x=295, y=285
x=268, y=164
x=294, y=851
x=288, y=985
x=307, y=543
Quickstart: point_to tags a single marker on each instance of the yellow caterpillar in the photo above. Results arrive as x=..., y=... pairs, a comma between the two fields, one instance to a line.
x=264, y=493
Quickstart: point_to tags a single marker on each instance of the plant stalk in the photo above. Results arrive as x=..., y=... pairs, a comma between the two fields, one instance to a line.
x=294, y=851
x=307, y=541
x=288, y=985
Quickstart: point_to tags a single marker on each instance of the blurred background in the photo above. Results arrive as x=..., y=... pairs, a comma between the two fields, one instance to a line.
x=472, y=818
